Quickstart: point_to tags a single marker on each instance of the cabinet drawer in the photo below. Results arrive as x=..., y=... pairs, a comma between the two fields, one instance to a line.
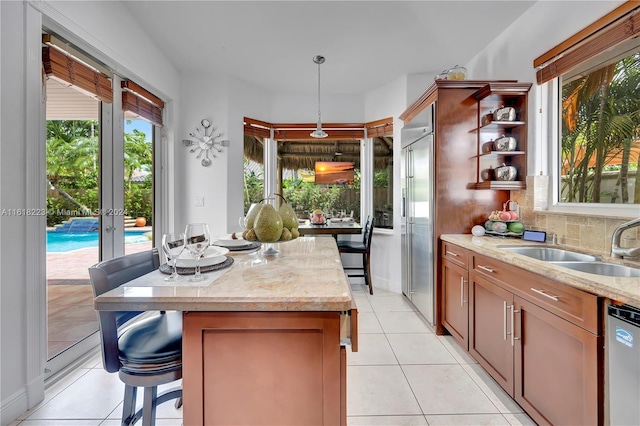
x=494, y=270
x=574, y=305
x=455, y=254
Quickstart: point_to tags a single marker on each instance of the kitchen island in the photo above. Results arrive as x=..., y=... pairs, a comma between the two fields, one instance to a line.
x=264, y=343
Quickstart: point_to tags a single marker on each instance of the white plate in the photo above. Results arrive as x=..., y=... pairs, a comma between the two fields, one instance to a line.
x=231, y=243
x=212, y=256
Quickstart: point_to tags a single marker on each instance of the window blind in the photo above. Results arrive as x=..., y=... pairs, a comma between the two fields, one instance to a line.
x=380, y=128
x=141, y=102
x=620, y=25
x=70, y=71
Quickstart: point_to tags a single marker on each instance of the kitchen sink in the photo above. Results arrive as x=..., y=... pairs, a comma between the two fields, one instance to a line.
x=550, y=254
x=601, y=268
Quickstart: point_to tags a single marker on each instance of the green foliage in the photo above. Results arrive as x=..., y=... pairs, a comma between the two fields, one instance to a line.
x=601, y=121
x=72, y=167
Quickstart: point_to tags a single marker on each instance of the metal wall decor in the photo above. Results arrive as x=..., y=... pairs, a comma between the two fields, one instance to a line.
x=205, y=142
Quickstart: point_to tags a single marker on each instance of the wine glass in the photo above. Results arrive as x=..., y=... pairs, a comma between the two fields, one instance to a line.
x=196, y=240
x=173, y=246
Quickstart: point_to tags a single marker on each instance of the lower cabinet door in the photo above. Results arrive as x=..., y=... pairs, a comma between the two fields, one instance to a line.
x=262, y=368
x=455, y=302
x=556, y=368
x=490, y=330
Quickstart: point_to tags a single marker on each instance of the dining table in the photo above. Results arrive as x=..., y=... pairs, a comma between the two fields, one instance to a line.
x=330, y=227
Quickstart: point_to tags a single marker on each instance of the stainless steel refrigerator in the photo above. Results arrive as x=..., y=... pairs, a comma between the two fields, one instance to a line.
x=418, y=266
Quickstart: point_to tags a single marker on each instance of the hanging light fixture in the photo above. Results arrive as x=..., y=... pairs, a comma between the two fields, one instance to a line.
x=319, y=133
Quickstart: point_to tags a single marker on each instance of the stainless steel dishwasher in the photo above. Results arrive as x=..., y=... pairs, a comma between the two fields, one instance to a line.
x=623, y=329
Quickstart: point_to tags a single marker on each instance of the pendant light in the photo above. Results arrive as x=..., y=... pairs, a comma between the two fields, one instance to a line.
x=319, y=133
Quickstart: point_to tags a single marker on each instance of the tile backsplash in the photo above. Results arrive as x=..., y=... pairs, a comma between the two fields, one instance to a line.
x=590, y=233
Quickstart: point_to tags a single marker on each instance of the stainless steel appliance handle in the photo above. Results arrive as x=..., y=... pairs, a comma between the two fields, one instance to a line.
x=484, y=268
x=542, y=293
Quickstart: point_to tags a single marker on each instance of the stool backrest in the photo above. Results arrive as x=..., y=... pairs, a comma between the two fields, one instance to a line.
x=111, y=274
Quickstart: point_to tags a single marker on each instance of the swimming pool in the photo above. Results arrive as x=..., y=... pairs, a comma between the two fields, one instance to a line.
x=60, y=242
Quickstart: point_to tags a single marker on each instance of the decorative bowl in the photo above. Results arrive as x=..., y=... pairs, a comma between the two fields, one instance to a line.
x=505, y=173
x=504, y=114
x=505, y=143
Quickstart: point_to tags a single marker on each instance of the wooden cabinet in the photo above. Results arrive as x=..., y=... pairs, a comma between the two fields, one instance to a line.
x=490, y=330
x=284, y=368
x=490, y=98
x=556, y=368
x=455, y=292
x=540, y=340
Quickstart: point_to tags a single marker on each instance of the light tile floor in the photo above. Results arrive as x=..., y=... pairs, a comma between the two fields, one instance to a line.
x=403, y=374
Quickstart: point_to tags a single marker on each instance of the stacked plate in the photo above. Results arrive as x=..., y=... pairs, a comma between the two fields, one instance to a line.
x=236, y=246
x=212, y=256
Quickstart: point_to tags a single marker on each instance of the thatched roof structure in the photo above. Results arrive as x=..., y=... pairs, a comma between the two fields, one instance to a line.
x=296, y=155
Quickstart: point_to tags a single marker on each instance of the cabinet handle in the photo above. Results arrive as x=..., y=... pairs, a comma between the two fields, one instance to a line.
x=462, y=301
x=513, y=324
x=452, y=253
x=542, y=293
x=484, y=268
x=504, y=319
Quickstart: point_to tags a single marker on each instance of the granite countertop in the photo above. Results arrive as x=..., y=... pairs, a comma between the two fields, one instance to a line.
x=621, y=289
x=306, y=276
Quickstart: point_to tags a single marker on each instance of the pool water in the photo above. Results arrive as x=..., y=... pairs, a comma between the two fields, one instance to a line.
x=60, y=242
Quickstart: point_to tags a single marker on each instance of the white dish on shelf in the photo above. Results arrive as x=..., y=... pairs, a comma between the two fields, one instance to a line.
x=212, y=256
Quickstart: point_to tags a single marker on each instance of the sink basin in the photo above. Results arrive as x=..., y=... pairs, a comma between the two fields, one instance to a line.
x=550, y=254
x=601, y=268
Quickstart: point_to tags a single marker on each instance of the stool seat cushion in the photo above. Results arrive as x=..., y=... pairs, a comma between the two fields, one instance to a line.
x=155, y=340
x=355, y=246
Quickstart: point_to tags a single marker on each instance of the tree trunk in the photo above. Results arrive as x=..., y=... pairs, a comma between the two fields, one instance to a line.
x=624, y=171
x=84, y=209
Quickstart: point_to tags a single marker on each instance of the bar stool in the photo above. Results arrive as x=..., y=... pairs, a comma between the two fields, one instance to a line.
x=145, y=350
x=363, y=248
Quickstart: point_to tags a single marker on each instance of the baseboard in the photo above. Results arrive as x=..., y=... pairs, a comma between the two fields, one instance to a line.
x=13, y=407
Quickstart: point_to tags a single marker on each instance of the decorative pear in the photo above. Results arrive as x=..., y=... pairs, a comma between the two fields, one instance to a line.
x=288, y=215
x=268, y=224
x=251, y=214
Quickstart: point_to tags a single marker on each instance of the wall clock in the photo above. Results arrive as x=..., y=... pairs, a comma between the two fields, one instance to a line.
x=205, y=142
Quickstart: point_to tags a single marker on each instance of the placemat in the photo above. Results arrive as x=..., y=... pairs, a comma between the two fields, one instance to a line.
x=165, y=268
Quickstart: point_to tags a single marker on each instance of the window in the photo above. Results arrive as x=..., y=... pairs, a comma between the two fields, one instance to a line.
x=600, y=132
x=598, y=124
x=383, y=181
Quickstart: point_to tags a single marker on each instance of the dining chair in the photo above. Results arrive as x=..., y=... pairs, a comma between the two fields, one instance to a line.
x=363, y=248
x=145, y=348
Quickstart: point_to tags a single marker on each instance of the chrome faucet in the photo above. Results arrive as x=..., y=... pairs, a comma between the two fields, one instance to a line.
x=620, y=252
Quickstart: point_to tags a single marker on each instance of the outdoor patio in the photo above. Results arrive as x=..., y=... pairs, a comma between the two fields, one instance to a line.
x=70, y=313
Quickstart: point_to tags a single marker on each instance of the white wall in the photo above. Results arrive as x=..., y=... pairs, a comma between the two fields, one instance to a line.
x=12, y=196
x=388, y=101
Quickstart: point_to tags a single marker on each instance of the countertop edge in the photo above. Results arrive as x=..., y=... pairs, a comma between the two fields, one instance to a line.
x=621, y=289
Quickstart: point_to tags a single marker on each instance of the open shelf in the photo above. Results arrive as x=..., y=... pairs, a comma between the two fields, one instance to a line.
x=490, y=98
x=500, y=184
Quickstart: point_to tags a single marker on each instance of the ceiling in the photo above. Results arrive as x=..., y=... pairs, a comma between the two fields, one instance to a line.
x=367, y=44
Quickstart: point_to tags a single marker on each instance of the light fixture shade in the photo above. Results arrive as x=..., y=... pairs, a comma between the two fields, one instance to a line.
x=318, y=133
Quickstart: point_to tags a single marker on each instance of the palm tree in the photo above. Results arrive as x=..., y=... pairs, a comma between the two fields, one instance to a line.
x=601, y=114
x=72, y=153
